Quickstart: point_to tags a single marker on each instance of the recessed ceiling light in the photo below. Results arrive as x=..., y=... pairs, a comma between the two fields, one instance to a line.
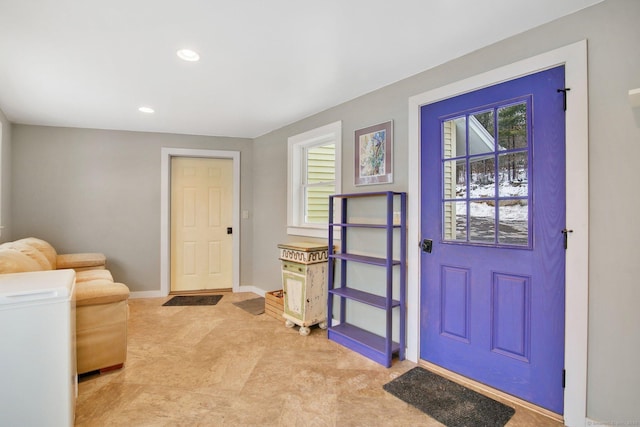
x=147, y=110
x=188, y=55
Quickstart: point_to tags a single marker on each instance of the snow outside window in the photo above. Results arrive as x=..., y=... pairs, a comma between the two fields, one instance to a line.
x=313, y=175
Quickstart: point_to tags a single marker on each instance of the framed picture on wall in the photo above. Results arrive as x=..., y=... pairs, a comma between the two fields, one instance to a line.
x=374, y=154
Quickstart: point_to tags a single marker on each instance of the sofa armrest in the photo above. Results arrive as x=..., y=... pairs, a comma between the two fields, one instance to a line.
x=100, y=291
x=13, y=261
x=81, y=261
x=95, y=274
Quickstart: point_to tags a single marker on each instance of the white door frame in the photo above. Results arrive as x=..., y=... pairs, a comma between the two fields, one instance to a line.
x=165, y=211
x=574, y=58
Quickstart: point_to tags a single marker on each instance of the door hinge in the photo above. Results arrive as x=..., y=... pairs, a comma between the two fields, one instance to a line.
x=564, y=96
x=564, y=377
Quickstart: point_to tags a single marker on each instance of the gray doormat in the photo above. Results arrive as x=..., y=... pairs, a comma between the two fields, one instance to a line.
x=193, y=300
x=254, y=306
x=450, y=403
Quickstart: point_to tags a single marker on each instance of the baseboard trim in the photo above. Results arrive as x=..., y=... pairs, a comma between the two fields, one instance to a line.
x=253, y=289
x=488, y=391
x=158, y=293
x=145, y=294
x=201, y=292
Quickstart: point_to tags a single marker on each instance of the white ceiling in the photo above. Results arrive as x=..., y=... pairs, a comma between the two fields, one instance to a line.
x=264, y=64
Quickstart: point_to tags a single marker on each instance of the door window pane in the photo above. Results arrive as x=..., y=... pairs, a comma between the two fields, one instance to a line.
x=512, y=126
x=455, y=179
x=481, y=133
x=455, y=221
x=454, y=138
x=513, y=170
x=513, y=226
x=482, y=177
x=482, y=221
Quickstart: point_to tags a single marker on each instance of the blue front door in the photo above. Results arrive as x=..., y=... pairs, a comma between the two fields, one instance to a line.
x=493, y=211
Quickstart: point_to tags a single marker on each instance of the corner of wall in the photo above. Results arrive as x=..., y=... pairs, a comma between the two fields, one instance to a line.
x=5, y=178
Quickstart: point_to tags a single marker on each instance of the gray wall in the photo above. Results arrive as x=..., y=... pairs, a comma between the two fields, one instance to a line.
x=5, y=179
x=270, y=175
x=96, y=190
x=100, y=190
x=613, y=33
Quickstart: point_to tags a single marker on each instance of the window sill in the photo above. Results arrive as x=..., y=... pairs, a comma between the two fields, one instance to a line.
x=318, y=233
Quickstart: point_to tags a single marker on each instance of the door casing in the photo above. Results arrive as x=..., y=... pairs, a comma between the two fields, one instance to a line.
x=574, y=58
x=165, y=202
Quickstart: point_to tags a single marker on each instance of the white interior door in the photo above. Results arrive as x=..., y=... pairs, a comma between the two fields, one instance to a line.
x=201, y=224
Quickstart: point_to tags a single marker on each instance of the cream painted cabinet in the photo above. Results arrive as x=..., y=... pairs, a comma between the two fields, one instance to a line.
x=304, y=282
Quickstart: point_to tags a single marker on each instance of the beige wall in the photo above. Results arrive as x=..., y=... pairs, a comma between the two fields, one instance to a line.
x=612, y=32
x=96, y=190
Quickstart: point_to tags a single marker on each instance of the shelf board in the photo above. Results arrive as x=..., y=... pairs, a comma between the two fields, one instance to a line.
x=362, y=225
x=364, y=342
x=364, y=297
x=364, y=259
x=372, y=194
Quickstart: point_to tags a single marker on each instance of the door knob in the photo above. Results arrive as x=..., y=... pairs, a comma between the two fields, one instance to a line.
x=426, y=245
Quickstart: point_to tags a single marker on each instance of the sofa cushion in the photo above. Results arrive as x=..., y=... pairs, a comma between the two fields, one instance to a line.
x=100, y=291
x=43, y=247
x=13, y=261
x=80, y=261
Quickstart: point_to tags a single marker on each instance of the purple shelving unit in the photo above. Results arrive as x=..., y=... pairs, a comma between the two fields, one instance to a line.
x=378, y=348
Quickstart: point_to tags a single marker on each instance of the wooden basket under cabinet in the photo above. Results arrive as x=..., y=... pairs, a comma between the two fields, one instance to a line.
x=274, y=304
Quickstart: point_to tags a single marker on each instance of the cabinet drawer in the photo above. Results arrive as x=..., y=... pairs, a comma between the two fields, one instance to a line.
x=294, y=267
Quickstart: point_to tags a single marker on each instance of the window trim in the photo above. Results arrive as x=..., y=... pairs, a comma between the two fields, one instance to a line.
x=297, y=144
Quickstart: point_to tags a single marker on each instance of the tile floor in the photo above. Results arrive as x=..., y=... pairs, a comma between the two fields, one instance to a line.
x=219, y=365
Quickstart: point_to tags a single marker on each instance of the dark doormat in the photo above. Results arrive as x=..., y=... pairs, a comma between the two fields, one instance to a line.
x=254, y=306
x=450, y=403
x=193, y=300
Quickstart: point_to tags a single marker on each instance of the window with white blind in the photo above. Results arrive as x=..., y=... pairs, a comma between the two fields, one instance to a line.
x=313, y=175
